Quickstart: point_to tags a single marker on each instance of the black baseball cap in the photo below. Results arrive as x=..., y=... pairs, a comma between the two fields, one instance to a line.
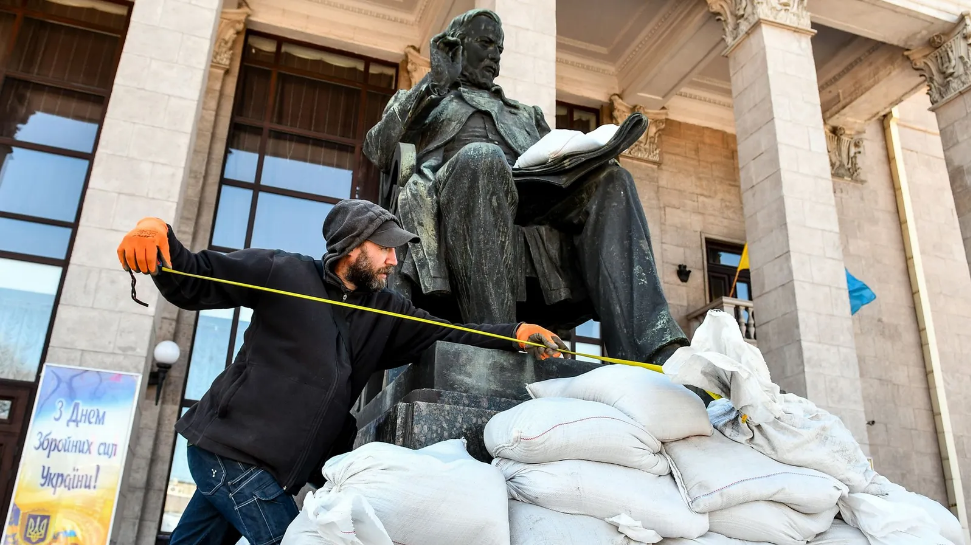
x=390, y=235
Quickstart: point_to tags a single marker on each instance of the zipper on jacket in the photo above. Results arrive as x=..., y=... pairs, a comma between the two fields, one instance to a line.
x=313, y=431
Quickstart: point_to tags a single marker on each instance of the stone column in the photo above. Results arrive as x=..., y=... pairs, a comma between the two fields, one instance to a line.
x=528, y=67
x=805, y=330
x=139, y=169
x=945, y=64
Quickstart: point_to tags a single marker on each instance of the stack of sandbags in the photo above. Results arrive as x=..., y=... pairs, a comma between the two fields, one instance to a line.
x=381, y=494
x=754, y=411
x=589, y=450
x=749, y=496
x=794, y=431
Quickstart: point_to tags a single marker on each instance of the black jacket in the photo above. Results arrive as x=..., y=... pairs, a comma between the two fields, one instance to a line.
x=286, y=397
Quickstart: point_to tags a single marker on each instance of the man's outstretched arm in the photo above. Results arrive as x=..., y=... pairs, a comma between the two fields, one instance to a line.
x=409, y=339
x=152, y=239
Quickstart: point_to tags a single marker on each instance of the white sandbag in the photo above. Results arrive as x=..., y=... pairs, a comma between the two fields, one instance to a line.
x=667, y=410
x=558, y=428
x=438, y=495
x=770, y=522
x=603, y=491
x=948, y=525
x=784, y=427
x=559, y=142
x=347, y=520
x=533, y=525
x=841, y=533
x=710, y=538
x=716, y=473
x=885, y=522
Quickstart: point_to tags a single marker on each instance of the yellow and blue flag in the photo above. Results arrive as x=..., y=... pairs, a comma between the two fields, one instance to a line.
x=860, y=293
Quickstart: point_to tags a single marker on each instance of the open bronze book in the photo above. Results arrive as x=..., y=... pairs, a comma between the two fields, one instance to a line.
x=541, y=187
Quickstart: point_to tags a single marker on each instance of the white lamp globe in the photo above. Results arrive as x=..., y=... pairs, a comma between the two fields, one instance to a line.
x=167, y=352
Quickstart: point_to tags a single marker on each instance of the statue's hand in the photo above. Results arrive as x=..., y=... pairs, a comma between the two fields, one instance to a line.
x=446, y=60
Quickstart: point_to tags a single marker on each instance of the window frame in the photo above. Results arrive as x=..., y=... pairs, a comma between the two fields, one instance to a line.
x=570, y=108
x=21, y=12
x=715, y=244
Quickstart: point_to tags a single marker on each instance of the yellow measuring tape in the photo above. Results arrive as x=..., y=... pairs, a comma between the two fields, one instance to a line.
x=651, y=366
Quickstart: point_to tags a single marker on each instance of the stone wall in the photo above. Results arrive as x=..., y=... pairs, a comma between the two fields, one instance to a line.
x=693, y=194
x=156, y=433
x=903, y=438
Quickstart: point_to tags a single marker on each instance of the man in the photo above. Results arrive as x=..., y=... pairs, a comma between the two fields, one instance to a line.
x=586, y=253
x=271, y=419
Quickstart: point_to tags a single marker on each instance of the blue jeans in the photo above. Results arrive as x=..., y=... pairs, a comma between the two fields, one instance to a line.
x=232, y=499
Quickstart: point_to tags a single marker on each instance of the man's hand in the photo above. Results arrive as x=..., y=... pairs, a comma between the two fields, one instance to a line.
x=446, y=61
x=139, y=249
x=536, y=334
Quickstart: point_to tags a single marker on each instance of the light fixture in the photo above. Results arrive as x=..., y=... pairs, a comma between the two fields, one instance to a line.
x=683, y=272
x=166, y=354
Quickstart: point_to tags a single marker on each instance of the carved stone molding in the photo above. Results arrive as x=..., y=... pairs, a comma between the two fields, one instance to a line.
x=415, y=67
x=231, y=23
x=739, y=16
x=648, y=147
x=845, y=149
x=945, y=63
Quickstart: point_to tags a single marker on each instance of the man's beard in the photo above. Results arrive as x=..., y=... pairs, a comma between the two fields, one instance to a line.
x=478, y=77
x=362, y=274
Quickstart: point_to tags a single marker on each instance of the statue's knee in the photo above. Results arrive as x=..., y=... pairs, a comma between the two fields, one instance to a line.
x=617, y=178
x=483, y=153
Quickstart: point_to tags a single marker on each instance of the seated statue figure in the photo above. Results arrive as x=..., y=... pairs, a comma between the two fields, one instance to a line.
x=491, y=252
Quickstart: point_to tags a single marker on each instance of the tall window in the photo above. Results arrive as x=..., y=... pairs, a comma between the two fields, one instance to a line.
x=57, y=64
x=586, y=337
x=294, y=150
x=723, y=259
x=576, y=118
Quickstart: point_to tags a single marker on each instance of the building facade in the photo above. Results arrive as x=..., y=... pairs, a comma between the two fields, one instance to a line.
x=830, y=139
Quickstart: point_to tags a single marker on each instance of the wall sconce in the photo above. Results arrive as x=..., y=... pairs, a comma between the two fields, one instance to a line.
x=683, y=273
x=166, y=353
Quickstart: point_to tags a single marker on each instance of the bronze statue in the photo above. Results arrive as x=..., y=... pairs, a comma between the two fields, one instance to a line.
x=496, y=244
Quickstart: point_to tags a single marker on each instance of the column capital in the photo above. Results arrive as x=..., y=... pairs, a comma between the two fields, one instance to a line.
x=738, y=17
x=648, y=146
x=231, y=23
x=845, y=147
x=945, y=62
x=416, y=67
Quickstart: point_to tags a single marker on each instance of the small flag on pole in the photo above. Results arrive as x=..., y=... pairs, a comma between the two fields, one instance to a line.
x=742, y=265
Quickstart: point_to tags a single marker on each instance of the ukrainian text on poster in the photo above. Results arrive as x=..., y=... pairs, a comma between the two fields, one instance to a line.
x=70, y=471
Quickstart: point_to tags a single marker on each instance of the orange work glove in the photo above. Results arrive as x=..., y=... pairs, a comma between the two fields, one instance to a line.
x=139, y=249
x=536, y=334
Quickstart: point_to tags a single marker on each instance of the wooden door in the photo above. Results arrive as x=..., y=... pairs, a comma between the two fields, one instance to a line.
x=16, y=398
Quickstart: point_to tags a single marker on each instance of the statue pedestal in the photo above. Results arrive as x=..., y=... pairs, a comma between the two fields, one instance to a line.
x=452, y=392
